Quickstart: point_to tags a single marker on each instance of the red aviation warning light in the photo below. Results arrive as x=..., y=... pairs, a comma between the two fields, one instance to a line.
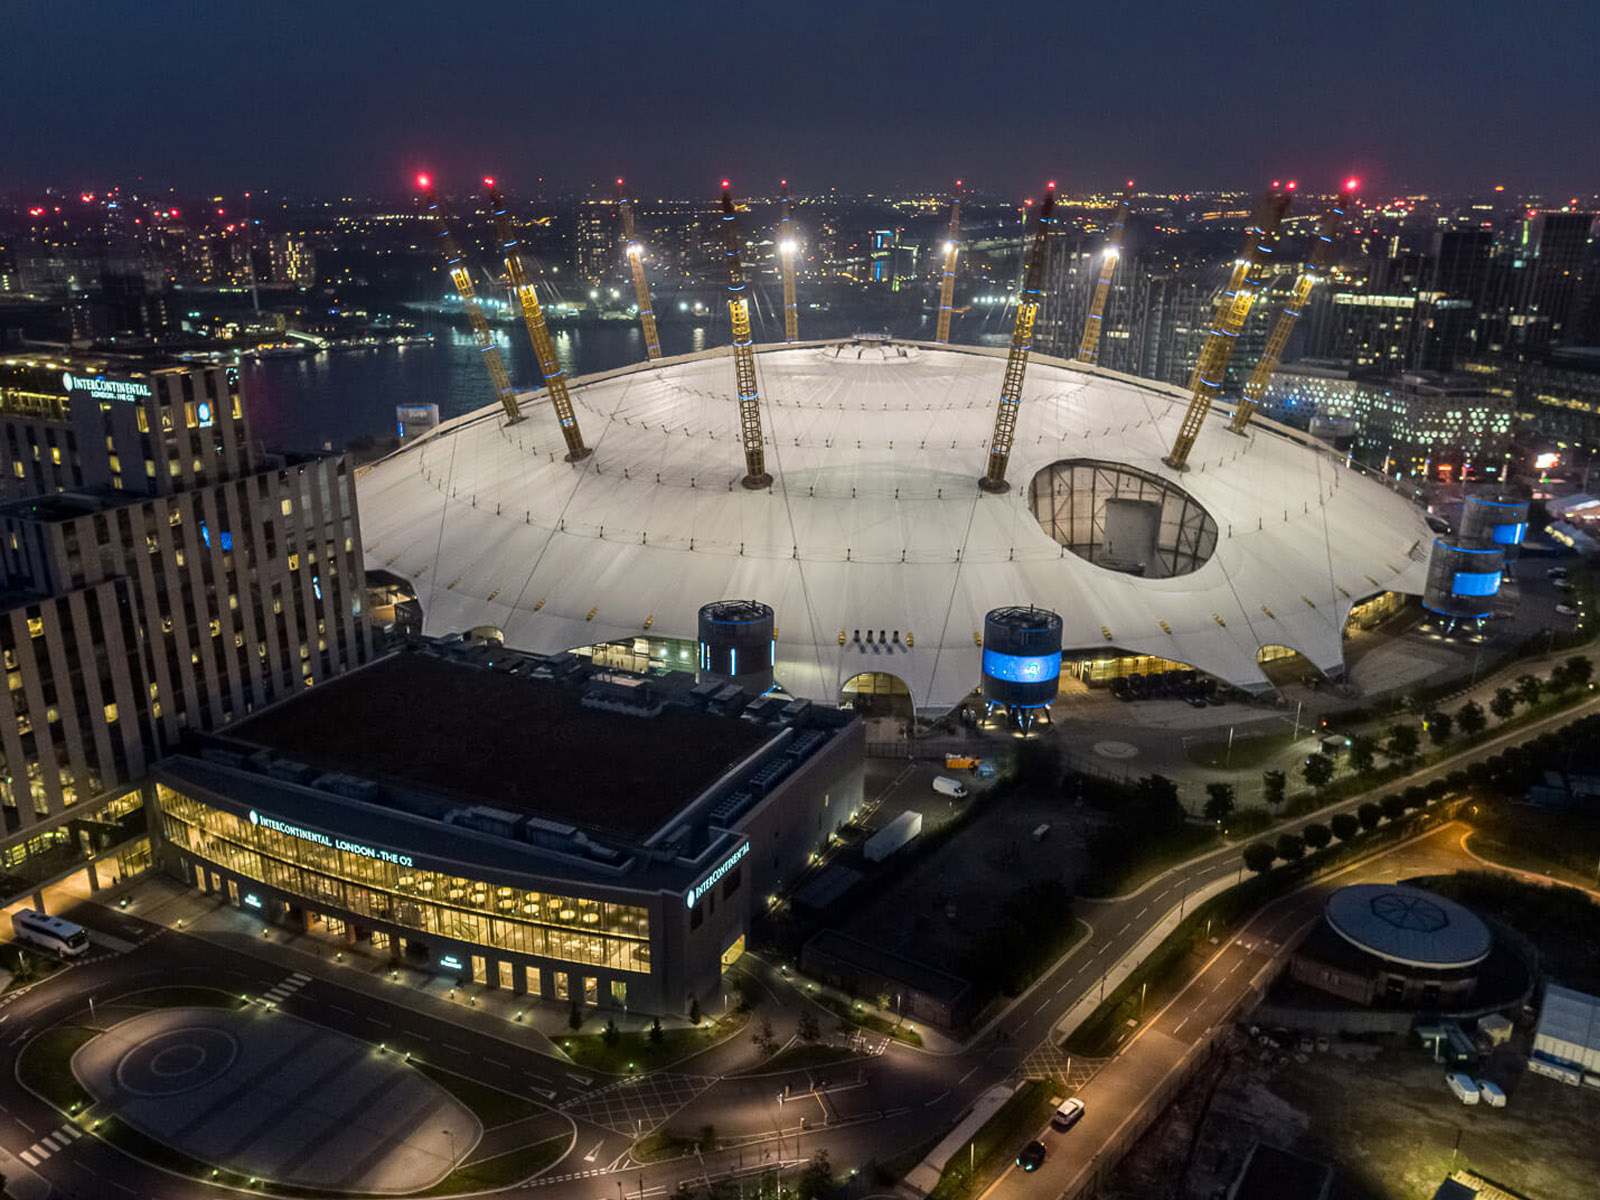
x=424, y=182
x=488, y=181
x=1276, y=184
x=1051, y=186
x=1291, y=185
x=1351, y=184
x=36, y=212
x=726, y=185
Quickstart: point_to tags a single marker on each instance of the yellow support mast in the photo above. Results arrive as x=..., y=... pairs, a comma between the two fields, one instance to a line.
x=788, y=247
x=1227, y=319
x=641, y=286
x=744, y=354
x=455, y=262
x=1316, y=267
x=1005, y=418
x=947, y=285
x=555, y=381
x=1089, y=347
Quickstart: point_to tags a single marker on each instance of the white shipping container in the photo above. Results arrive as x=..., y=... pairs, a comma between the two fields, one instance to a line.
x=893, y=836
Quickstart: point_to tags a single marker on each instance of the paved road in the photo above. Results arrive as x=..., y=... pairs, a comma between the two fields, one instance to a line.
x=1115, y=1096
x=867, y=1110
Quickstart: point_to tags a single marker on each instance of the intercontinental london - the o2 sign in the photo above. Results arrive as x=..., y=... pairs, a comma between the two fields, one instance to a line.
x=333, y=843
x=710, y=881
x=101, y=388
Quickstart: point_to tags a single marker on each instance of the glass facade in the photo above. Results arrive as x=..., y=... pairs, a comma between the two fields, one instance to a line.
x=563, y=929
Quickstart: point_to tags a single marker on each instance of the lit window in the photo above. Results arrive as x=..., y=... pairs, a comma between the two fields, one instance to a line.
x=294, y=562
x=288, y=507
x=111, y=713
x=35, y=626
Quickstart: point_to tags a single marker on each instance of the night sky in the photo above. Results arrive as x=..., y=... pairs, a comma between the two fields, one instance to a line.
x=886, y=96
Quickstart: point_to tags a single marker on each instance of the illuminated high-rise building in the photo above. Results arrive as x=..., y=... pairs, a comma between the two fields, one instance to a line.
x=157, y=576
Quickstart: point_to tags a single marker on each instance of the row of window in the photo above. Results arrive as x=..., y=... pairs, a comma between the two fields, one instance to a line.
x=572, y=929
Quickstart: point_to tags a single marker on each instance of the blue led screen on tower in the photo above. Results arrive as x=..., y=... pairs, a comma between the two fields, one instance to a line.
x=1021, y=668
x=1510, y=535
x=1475, y=583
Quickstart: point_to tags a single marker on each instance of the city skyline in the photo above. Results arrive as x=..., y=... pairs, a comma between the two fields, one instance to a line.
x=892, y=99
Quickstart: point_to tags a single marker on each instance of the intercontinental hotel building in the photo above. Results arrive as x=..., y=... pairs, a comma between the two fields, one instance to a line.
x=602, y=840
x=194, y=688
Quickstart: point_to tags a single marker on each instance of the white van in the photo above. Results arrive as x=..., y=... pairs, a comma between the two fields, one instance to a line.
x=1491, y=1094
x=1463, y=1086
x=946, y=786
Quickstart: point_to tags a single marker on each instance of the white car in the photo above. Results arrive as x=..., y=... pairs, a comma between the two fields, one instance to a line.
x=1067, y=1115
x=1566, y=610
x=1464, y=1086
x=1491, y=1094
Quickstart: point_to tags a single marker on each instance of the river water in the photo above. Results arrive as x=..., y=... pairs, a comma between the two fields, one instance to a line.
x=337, y=397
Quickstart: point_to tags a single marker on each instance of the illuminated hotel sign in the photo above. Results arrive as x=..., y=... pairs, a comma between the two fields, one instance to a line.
x=101, y=388
x=710, y=881
x=333, y=843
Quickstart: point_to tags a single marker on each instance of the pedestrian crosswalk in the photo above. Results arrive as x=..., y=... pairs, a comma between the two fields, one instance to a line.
x=49, y=1144
x=287, y=988
x=104, y=945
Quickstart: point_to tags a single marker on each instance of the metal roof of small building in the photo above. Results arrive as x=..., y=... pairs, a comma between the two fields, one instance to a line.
x=1408, y=925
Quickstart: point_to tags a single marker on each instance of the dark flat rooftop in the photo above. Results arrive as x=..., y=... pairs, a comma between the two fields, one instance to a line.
x=413, y=720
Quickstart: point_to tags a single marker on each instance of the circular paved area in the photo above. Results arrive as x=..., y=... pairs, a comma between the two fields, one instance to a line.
x=177, y=1061
x=266, y=1094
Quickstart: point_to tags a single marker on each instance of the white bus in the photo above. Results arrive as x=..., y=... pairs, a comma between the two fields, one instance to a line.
x=49, y=933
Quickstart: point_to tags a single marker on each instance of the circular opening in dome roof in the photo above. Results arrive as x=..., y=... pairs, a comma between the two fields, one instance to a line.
x=1121, y=518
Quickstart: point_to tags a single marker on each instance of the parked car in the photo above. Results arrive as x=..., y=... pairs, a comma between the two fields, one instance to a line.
x=1491, y=1094
x=1566, y=610
x=1068, y=1115
x=1557, y=572
x=1032, y=1156
x=1464, y=1087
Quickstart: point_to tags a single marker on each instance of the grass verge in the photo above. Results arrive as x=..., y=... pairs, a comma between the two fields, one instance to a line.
x=664, y=1144
x=501, y=1171
x=868, y=1018
x=182, y=997
x=489, y=1104
x=45, y=1066
x=979, y=1162
x=634, y=1053
x=800, y=1058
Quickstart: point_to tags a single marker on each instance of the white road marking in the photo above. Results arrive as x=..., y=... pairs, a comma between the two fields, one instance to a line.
x=28, y=1158
x=593, y=1154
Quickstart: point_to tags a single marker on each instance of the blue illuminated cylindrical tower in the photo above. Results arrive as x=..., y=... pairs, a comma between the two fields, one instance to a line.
x=1462, y=581
x=737, y=644
x=1021, y=660
x=1495, y=520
